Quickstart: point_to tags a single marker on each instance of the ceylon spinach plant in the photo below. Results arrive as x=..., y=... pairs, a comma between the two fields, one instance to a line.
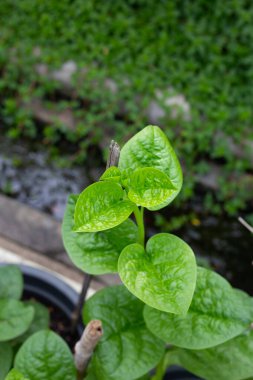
x=168, y=310
x=165, y=297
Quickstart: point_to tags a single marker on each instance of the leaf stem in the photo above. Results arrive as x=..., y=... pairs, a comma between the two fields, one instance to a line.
x=164, y=363
x=139, y=213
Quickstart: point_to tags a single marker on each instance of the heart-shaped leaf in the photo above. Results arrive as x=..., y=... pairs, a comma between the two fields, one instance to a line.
x=45, y=356
x=127, y=349
x=163, y=276
x=40, y=321
x=151, y=148
x=231, y=360
x=217, y=314
x=149, y=187
x=96, y=252
x=15, y=375
x=101, y=206
x=111, y=174
x=11, y=282
x=15, y=318
x=5, y=359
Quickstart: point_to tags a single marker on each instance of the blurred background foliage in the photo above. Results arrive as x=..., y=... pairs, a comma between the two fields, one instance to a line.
x=128, y=59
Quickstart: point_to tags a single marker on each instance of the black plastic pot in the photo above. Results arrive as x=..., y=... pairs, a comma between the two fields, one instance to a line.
x=177, y=373
x=50, y=290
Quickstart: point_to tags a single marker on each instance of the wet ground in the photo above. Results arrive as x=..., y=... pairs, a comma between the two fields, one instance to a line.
x=29, y=176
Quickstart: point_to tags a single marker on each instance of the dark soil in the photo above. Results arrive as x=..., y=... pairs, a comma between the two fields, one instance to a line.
x=59, y=321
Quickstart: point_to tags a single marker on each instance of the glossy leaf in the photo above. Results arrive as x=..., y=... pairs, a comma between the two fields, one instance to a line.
x=217, y=314
x=231, y=360
x=11, y=282
x=6, y=355
x=15, y=318
x=96, y=252
x=111, y=174
x=40, y=321
x=163, y=276
x=101, y=206
x=15, y=375
x=151, y=148
x=149, y=187
x=127, y=349
x=45, y=356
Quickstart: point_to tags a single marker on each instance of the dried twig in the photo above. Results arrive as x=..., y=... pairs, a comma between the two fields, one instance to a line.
x=114, y=154
x=245, y=224
x=85, y=346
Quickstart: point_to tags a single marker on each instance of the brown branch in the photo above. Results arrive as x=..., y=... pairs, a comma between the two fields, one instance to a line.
x=85, y=346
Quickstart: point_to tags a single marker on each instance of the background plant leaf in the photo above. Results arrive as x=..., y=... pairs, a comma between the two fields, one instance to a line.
x=45, y=356
x=40, y=321
x=231, y=360
x=149, y=187
x=6, y=355
x=15, y=318
x=217, y=313
x=111, y=174
x=96, y=252
x=163, y=276
x=11, y=282
x=151, y=148
x=101, y=206
x=15, y=375
x=127, y=349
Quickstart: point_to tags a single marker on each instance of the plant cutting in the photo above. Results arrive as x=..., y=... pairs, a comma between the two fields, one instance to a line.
x=167, y=310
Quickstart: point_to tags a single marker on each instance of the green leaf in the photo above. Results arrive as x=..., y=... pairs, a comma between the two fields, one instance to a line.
x=112, y=174
x=151, y=148
x=15, y=318
x=6, y=355
x=15, y=375
x=149, y=187
x=11, y=282
x=231, y=360
x=40, y=321
x=45, y=356
x=163, y=276
x=96, y=252
x=217, y=314
x=101, y=206
x=127, y=349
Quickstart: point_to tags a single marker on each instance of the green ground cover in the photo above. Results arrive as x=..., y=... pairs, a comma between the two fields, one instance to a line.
x=202, y=49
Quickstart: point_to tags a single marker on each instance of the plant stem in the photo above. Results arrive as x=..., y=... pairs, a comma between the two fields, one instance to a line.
x=160, y=370
x=138, y=213
x=78, y=309
x=164, y=363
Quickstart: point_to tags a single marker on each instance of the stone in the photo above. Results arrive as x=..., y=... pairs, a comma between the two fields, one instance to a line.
x=65, y=73
x=29, y=227
x=171, y=101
